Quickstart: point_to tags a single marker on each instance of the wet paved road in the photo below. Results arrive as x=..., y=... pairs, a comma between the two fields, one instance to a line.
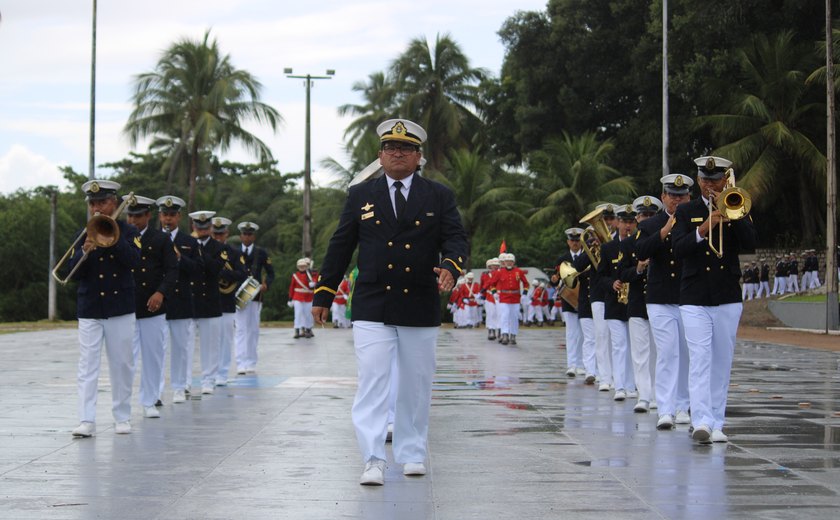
x=510, y=438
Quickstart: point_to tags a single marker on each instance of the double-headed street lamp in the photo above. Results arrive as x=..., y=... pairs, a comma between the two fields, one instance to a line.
x=307, y=167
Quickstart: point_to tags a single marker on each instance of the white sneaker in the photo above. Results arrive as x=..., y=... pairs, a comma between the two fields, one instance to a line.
x=642, y=406
x=179, y=396
x=85, y=429
x=374, y=473
x=221, y=382
x=240, y=371
x=414, y=469
x=653, y=405
x=206, y=389
x=701, y=434
x=719, y=436
x=604, y=387
x=579, y=371
x=570, y=372
x=123, y=428
x=632, y=394
x=620, y=395
x=665, y=422
x=682, y=417
x=151, y=412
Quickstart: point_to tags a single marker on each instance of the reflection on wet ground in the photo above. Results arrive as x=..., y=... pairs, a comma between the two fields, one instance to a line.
x=510, y=436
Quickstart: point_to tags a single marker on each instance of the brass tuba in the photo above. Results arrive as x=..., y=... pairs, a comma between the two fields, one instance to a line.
x=103, y=230
x=570, y=289
x=598, y=227
x=733, y=203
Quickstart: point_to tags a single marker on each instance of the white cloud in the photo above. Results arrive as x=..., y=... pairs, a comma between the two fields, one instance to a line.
x=22, y=168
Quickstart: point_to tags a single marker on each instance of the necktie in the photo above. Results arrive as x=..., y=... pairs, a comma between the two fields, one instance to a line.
x=399, y=199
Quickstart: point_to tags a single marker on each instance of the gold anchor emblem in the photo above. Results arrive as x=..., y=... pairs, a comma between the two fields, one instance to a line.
x=367, y=207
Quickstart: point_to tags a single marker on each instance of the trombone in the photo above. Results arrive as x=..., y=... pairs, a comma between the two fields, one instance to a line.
x=733, y=203
x=597, y=226
x=103, y=230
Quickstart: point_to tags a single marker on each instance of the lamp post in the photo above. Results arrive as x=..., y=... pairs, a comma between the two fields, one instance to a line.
x=307, y=166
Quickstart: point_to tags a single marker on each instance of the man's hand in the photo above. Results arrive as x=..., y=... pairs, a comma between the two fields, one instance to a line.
x=667, y=227
x=445, y=280
x=89, y=245
x=616, y=285
x=263, y=287
x=320, y=314
x=155, y=301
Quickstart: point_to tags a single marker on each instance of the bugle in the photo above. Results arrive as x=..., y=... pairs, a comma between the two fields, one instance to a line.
x=733, y=203
x=103, y=230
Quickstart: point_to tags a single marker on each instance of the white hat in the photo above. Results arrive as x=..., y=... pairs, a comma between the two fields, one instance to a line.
x=170, y=203
x=608, y=208
x=137, y=205
x=302, y=261
x=676, y=183
x=401, y=130
x=201, y=219
x=712, y=167
x=491, y=261
x=647, y=204
x=504, y=257
x=221, y=223
x=470, y=275
x=249, y=227
x=100, y=189
x=573, y=233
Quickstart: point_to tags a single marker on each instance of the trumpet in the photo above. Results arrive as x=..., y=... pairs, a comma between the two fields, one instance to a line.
x=733, y=203
x=624, y=293
x=103, y=230
x=599, y=228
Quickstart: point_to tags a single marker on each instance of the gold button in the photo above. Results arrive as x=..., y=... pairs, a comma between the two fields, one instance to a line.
x=390, y=244
x=112, y=256
x=708, y=269
x=144, y=284
x=407, y=269
x=177, y=290
x=721, y=268
x=142, y=258
x=408, y=246
x=143, y=270
x=390, y=266
x=192, y=283
x=102, y=294
x=405, y=291
x=672, y=262
x=101, y=258
x=378, y=222
x=416, y=222
x=115, y=292
x=387, y=287
x=707, y=253
x=115, y=275
x=101, y=276
x=673, y=275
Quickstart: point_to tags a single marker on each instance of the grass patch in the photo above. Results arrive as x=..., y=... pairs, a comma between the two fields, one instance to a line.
x=807, y=298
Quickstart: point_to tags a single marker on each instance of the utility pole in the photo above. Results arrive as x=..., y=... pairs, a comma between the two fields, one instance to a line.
x=832, y=320
x=665, y=129
x=307, y=166
x=91, y=173
x=50, y=277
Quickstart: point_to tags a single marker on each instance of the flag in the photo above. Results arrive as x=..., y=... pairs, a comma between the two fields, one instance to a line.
x=503, y=247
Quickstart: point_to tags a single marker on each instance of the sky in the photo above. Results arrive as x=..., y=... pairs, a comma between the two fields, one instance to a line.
x=45, y=62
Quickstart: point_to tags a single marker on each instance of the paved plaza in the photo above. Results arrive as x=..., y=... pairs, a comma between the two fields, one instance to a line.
x=510, y=437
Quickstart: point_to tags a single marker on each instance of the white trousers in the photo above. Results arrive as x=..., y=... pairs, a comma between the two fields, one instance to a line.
x=392, y=389
x=225, y=346
x=622, y=367
x=813, y=280
x=179, y=335
x=747, y=291
x=671, y=382
x=190, y=353
x=491, y=311
x=247, y=333
x=587, y=330
x=303, y=315
x=414, y=347
x=763, y=288
x=209, y=330
x=150, y=342
x=117, y=333
x=509, y=318
x=339, y=315
x=779, y=285
x=793, y=283
x=602, y=344
x=574, y=341
x=710, y=333
x=641, y=348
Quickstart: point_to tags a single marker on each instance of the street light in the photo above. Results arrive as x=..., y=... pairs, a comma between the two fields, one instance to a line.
x=307, y=167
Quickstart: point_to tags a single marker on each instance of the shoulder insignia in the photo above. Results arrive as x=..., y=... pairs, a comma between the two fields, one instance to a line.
x=137, y=242
x=367, y=215
x=367, y=206
x=241, y=259
x=268, y=260
x=224, y=255
x=638, y=233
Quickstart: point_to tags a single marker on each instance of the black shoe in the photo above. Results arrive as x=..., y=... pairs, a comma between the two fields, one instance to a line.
x=513, y=339
x=297, y=334
x=504, y=339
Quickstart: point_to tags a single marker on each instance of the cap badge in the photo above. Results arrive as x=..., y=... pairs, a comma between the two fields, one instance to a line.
x=398, y=129
x=367, y=206
x=94, y=187
x=628, y=208
x=647, y=201
x=710, y=163
x=168, y=202
x=217, y=222
x=202, y=218
x=678, y=181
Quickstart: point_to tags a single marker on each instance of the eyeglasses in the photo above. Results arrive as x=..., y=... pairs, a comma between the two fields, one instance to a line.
x=392, y=148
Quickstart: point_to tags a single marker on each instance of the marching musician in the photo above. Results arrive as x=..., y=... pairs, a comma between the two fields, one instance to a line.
x=655, y=243
x=154, y=279
x=105, y=308
x=258, y=266
x=179, y=301
x=575, y=362
x=491, y=311
x=597, y=299
x=230, y=278
x=764, y=280
x=301, y=291
x=338, y=309
x=710, y=297
x=780, y=276
x=508, y=282
x=793, y=274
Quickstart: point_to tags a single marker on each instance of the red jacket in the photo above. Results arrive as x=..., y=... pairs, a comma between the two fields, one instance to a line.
x=302, y=286
x=488, y=296
x=342, y=293
x=469, y=291
x=539, y=297
x=508, y=284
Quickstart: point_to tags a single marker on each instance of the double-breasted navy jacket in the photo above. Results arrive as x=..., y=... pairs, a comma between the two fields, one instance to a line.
x=179, y=300
x=157, y=272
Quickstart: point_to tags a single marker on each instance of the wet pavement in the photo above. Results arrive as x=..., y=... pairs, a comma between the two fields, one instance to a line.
x=510, y=437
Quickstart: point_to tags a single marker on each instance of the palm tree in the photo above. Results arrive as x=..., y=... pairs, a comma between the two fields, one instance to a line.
x=380, y=102
x=196, y=98
x=769, y=127
x=571, y=176
x=439, y=90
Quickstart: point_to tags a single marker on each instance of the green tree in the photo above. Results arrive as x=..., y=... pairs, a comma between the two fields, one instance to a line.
x=379, y=97
x=196, y=96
